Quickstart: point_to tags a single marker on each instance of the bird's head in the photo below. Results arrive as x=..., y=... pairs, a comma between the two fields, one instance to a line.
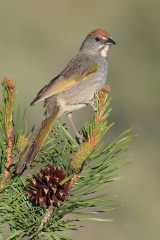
x=97, y=42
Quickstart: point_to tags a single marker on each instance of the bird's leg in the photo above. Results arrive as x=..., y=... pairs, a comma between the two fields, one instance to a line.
x=91, y=103
x=69, y=115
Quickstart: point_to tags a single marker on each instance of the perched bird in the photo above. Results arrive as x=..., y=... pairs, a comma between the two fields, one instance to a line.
x=72, y=89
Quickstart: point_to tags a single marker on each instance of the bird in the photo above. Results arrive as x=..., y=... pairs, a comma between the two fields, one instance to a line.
x=71, y=90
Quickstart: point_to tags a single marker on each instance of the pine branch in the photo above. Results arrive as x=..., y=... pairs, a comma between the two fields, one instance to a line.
x=92, y=132
x=71, y=177
x=7, y=124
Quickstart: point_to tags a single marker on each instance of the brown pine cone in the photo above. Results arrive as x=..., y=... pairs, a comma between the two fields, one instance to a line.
x=46, y=189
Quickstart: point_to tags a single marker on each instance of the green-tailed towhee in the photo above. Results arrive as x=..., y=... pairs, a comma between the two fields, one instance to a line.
x=72, y=89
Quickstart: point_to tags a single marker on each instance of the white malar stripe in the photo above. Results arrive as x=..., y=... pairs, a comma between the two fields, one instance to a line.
x=105, y=50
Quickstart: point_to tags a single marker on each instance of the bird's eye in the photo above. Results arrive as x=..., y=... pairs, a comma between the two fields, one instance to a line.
x=97, y=39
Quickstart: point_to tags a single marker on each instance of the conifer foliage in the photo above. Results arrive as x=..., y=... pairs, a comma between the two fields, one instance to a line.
x=71, y=177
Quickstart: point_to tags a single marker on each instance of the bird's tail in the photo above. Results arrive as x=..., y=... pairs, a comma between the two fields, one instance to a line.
x=30, y=152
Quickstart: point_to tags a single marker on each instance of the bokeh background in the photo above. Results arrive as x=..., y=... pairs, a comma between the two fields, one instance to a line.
x=39, y=37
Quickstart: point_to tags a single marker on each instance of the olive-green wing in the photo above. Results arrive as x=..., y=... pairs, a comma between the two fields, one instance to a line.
x=78, y=69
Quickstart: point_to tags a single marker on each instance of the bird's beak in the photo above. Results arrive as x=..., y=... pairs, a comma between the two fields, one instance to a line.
x=110, y=41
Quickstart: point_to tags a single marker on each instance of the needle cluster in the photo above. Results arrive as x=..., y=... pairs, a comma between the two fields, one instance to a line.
x=70, y=177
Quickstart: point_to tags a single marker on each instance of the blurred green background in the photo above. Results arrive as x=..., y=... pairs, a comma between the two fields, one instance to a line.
x=37, y=40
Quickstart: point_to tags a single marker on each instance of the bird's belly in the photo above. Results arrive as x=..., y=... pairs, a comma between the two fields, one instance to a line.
x=66, y=108
x=79, y=95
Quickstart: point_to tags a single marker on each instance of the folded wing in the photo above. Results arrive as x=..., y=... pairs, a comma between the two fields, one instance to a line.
x=77, y=70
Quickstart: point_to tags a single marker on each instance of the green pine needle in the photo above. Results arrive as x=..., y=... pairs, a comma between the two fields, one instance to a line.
x=89, y=191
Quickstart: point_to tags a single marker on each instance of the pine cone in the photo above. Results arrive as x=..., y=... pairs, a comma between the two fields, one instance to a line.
x=46, y=188
x=80, y=156
x=22, y=142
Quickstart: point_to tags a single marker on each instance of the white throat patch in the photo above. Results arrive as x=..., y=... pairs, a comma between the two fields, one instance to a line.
x=105, y=50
